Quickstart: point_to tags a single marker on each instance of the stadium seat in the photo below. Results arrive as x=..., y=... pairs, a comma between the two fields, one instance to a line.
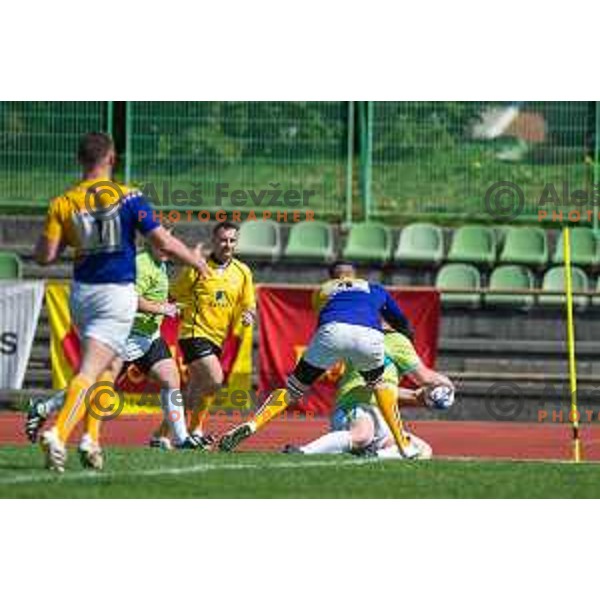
x=473, y=244
x=10, y=266
x=420, y=244
x=310, y=240
x=368, y=242
x=584, y=248
x=554, y=280
x=525, y=246
x=260, y=239
x=459, y=277
x=510, y=277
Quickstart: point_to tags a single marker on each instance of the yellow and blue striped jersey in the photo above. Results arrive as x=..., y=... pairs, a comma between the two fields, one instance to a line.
x=99, y=220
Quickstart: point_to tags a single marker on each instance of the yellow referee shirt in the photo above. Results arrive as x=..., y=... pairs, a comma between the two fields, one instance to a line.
x=210, y=306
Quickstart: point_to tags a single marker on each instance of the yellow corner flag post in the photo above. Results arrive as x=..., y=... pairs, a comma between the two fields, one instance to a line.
x=574, y=415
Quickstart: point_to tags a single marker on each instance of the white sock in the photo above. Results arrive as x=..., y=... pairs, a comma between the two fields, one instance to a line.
x=389, y=452
x=171, y=402
x=334, y=442
x=86, y=442
x=53, y=404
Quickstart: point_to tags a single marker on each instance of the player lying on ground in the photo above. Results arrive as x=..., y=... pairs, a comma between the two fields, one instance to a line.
x=145, y=349
x=99, y=219
x=356, y=423
x=350, y=313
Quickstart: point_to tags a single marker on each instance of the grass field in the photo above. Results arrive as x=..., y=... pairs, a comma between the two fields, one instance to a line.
x=146, y=473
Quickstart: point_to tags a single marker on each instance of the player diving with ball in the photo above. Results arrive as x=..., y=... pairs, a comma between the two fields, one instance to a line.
x=350, y=329
x=357, y=425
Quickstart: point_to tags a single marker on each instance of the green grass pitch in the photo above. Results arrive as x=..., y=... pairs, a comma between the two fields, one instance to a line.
x=147, y=473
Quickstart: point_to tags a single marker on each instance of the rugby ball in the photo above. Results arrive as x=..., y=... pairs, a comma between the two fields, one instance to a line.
x=439, y=397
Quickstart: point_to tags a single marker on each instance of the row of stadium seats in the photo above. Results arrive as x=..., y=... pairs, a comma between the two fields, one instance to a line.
x=512, y=286
x=419, y=244
x=466, y=280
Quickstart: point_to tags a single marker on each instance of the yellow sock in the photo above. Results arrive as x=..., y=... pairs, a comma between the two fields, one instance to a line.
x=74, y=407
x=387, y=400
x=92, y=423
x=200, y=412
x=274, y=405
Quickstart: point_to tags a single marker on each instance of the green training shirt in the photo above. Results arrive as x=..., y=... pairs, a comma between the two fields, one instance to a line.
x=152, y=283
x=400, y=359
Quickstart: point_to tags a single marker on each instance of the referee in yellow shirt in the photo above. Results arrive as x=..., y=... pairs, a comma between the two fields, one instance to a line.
x=209, y=308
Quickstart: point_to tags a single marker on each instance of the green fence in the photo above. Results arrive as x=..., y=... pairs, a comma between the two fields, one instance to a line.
x=390, y=161
x=213, y=149
x=38, y=144
x=440, y=158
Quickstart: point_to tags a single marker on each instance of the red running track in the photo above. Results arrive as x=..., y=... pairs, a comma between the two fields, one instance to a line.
x=448, y=438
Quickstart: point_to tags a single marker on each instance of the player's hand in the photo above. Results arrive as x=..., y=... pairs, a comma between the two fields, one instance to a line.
x=247, y=317
x=202, y=268
x=199, y=251
x=169, y=309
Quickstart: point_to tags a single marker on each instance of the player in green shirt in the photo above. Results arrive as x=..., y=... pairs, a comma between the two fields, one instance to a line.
x=146, y=349
x=356, y=424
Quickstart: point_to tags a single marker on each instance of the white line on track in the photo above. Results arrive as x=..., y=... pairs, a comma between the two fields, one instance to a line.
x=45, y=476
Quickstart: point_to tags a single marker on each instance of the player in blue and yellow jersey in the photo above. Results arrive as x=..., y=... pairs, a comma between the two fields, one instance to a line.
x=99, y=219
x=350, y=313
x=210, y=307
x=146, y=350
x=356, y=423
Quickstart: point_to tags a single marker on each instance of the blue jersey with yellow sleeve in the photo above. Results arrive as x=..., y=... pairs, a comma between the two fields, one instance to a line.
x=99, y=220
x=358, y=302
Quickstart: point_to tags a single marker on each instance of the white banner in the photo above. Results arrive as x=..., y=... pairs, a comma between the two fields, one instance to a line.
x=20, y=305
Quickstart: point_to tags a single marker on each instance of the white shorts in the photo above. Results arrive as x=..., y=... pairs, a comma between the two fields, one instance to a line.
x=342, y=420
x=137, y=345
x=363, y=346
x=105, y=312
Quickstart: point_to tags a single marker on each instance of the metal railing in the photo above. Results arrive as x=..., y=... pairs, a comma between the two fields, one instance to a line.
x=392, y=161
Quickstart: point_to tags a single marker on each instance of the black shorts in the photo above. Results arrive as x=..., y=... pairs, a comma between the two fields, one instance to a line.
x=199, y=347
x=158, y=351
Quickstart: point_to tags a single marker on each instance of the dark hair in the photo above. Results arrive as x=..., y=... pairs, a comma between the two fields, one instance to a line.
x=339, y=263
x=93, y=148
x=225, y=225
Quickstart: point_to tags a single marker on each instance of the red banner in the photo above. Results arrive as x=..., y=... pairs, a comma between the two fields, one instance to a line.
x=287, y=322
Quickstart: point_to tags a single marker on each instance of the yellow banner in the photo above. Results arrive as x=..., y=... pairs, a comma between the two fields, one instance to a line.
x=141, y=395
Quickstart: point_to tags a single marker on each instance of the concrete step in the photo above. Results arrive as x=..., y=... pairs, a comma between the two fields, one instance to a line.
x=38, y=376
x=514, y=347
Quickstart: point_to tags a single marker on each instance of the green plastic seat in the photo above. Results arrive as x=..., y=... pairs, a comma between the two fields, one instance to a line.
x=510, y=277
x=10, y=266
x=473, y=244
x=584, y=248
x=525, y=246
x=310, y=240
x=459, y=277
x=554, y=280
x=420, y=244
x=260, y=239
x=368, y=242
